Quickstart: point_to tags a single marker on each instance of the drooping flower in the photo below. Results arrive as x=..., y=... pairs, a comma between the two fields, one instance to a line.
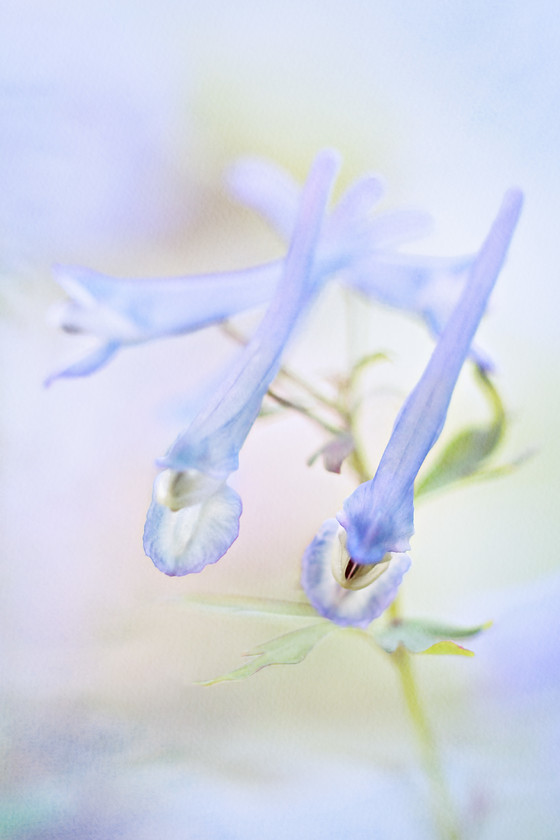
x=194, y=515
x=428, y=287
x=365, y=547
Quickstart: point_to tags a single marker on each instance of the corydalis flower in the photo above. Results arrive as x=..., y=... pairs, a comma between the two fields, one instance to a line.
x=120, y=312
x=428, y=287
x=194, y=515
x=365, y=547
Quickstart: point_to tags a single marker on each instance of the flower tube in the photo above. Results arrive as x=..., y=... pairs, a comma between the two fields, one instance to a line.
x=121, y=312
x=428, y=287
x=365, y=547
x=194, y=515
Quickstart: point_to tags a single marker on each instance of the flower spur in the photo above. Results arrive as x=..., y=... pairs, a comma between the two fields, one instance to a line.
x=120, y=312
x=428, y=287
x=354, y=566
x=194, y=515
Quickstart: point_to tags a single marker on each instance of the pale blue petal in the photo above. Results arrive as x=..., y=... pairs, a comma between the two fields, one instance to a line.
x=349, y=230
x=356, y=204
x=187, y=540
x=352, y=234
x=374, y=530
x=93, y=361
x=361, y=246
x=214, y=438
x=209, y=449
x=133, y=310
x=426, y=285
x=379, y=514
x=129, y=311
x=267, y=188
x=357, y=608
x=395, y=228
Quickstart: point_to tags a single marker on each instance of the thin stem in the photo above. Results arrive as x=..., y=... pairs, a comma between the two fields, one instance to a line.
x=286, y=403
x=293, y=377
x=306, y=386
x=443, y=808
x=348, y=412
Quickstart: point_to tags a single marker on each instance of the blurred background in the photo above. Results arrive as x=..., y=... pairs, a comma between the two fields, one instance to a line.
x=116, y=124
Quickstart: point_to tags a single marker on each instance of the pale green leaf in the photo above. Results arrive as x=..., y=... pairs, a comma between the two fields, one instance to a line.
x=468, y=451
x=419, y=636
x=288, y=649
x=448, y=649
x=366, y=361
x=257, y=606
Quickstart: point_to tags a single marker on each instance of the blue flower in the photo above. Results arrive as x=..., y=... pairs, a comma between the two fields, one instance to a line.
x=364, y=548
x=121, y=312
x=194, y=515
x=428, y=287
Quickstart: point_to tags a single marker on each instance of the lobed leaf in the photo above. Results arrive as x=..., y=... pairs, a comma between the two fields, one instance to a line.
x=419, y=636
x=448, y=648
x=465, y=454
x=247, y=604
x=289, y=649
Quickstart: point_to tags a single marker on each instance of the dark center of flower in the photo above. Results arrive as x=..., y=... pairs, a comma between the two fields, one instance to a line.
x=354, y=571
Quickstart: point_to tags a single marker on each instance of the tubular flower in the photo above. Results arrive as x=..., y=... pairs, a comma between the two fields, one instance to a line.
x=121, y=312
x=194, y=515
x=428, y=287
x=365, y=547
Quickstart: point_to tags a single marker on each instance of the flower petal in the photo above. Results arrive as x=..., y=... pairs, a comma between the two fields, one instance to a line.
x=426, y=285
x=379, y=515
x=267, y=188
x=214, y=438
x=207, y=452
x=93, y=361
x=129, y=311
x=357, y=608
x=187, y=540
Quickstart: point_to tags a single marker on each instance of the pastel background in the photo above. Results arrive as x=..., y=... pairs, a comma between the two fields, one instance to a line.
x=116, y=123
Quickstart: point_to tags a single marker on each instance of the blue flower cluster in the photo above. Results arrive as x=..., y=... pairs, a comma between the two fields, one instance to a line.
x=354, y=566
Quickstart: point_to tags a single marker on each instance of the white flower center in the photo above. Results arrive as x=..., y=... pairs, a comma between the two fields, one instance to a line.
x=352, y=575
x=177, y=490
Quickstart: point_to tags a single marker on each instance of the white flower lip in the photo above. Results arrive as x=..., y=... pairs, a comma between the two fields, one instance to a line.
x=349, y=574
x=203, y=456
x=378, y=517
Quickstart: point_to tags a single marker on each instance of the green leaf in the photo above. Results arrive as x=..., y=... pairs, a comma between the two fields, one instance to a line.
x=449, y=649
x=258, y=606
x=288, y=649
x=464, y=455
x=365, y=362
x=419, y=636
x=506, y=468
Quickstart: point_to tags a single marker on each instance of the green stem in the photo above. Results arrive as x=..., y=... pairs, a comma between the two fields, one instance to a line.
x=309, y=389
x=442, y=804
x=286, y=403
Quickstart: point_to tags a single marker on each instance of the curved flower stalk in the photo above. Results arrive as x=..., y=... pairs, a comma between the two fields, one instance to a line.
x=194, y=515
x=121, y=312
x=428, y=287
x=365, y=546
